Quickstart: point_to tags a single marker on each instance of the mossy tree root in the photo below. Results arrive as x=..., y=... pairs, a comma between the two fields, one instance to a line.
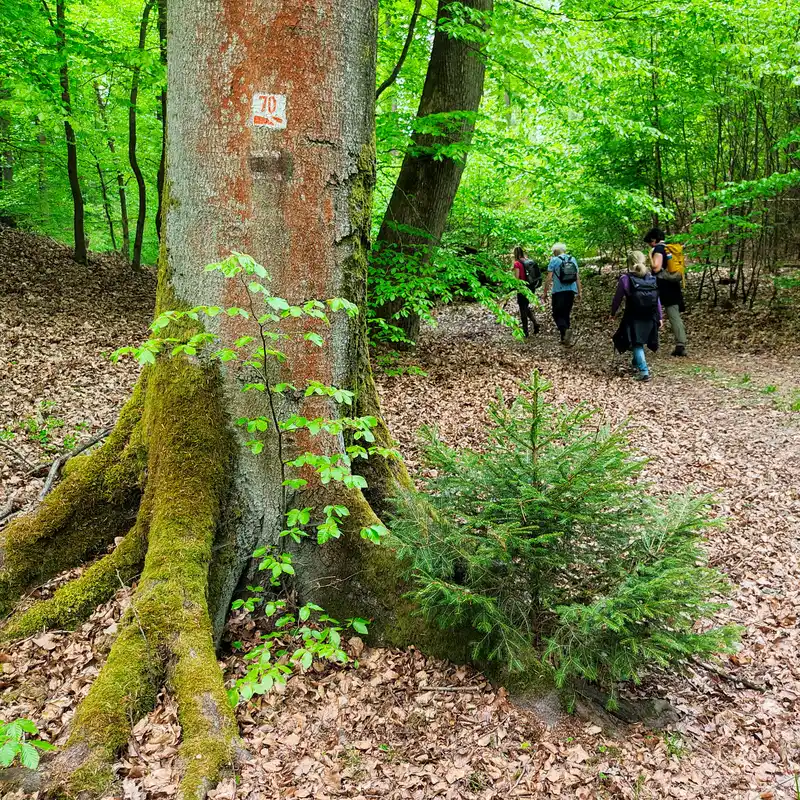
x=74, y=602
x=167, y=632
x=93, y=505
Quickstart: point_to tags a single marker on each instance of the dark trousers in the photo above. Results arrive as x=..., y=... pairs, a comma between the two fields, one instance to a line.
x=526, y=313
x=562, y=309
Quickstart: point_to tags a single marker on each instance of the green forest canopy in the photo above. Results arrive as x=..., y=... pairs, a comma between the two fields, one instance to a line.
x=598, y=118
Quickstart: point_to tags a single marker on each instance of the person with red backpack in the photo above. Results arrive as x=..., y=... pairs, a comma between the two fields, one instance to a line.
x=526, y=269
x=643, y=314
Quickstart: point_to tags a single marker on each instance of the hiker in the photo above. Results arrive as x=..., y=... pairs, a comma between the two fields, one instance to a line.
x=642, y=316
x=562, y=273
x=666, y=262
x=526, y=269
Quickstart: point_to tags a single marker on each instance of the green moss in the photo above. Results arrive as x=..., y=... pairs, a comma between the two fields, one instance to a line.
x=125, y=690
x=168, y=629
x=377, y=588
x=82, y=515
x=190, y=455
x=74, y=602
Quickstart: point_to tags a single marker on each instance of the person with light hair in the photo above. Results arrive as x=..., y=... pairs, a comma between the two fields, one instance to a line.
x=562, y=275
x=643, y=315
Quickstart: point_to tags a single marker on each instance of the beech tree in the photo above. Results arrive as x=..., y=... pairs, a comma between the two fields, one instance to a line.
x=429, y=178
x=190, y=504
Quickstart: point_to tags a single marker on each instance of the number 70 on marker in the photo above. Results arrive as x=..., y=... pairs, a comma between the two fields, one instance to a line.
x=268, y=110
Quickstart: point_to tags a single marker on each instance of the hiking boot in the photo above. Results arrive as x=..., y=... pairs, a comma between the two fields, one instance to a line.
x=643, y=378
x=568, y=338
x=680, y=350
x=536, y=329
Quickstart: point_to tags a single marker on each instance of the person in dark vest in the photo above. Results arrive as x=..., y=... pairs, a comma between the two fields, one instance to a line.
x=562, y=273
x=643, y=315
x=670, y=289
x=526, y=269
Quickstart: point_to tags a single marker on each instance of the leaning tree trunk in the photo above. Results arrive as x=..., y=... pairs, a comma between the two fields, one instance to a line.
x=173, y=480
x=426, y=186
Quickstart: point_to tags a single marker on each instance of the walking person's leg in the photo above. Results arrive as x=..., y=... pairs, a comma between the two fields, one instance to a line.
x=678, y=329
x=535, y=322
x=524, y=308
x=560, y=318
x=569, y=302
x=640, y=362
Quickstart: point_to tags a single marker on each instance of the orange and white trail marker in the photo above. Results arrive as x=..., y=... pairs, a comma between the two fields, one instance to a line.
x=269, y=110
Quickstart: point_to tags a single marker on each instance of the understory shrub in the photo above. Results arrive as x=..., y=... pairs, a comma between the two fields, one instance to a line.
x=551, y=547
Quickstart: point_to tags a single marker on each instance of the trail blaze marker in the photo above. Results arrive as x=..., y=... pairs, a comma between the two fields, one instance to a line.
x=269, y=110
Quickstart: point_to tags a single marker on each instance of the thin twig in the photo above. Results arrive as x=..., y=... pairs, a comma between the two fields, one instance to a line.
x=448, y=689
x=29, y=464
x=730, y=677
x=57, y=465
x=8, y=509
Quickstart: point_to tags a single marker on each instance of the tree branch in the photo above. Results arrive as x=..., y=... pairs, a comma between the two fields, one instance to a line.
x=31, y=466
x=403, y=53
x=64, y=457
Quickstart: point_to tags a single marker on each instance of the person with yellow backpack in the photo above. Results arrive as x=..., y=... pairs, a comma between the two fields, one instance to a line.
x=668, y=264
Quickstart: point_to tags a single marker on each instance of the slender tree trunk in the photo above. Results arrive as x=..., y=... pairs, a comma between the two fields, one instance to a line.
x=121, y=189
x=69, y=133
x=392, y=77
x=6, y=156
x=297, y=197
x=426, y=186
x=659, y=167
x=141, y=216
x=161, y=8
x=106, y=205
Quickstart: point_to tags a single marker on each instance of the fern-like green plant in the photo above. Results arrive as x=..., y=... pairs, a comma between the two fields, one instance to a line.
x=551, y=548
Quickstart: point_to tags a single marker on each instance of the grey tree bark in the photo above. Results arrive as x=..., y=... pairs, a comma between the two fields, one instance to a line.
x=426, y=187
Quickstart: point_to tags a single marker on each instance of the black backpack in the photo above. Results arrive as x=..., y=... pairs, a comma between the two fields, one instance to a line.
x=533, y=274
x=643, y=299
x=568, y=270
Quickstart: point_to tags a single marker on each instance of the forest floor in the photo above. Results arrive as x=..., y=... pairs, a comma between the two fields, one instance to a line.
x=726, y=419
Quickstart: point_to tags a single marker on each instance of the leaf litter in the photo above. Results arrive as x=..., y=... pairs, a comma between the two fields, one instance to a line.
x=403, y=725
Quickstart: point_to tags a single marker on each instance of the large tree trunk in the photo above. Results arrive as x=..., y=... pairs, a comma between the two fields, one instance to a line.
x=69, y=134
x=426, y=186
x=141, y=217
x=297, y=199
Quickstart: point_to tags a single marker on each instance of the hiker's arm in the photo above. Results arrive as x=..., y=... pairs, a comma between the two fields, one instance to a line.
x=618, y=296
x=657, y=260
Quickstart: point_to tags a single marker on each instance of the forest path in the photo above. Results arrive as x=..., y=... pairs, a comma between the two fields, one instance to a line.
x=718, y=421
x=377, y=731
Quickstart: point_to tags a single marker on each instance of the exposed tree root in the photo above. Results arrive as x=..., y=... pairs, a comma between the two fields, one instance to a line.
x=82, y=516
x=353, y=575
x=75, y=602
x=167, y=632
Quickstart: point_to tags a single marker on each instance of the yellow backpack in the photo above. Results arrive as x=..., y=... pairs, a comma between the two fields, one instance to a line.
x=676, y=262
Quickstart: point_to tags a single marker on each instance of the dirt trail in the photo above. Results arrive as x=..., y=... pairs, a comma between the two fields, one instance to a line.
x=378, y=731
